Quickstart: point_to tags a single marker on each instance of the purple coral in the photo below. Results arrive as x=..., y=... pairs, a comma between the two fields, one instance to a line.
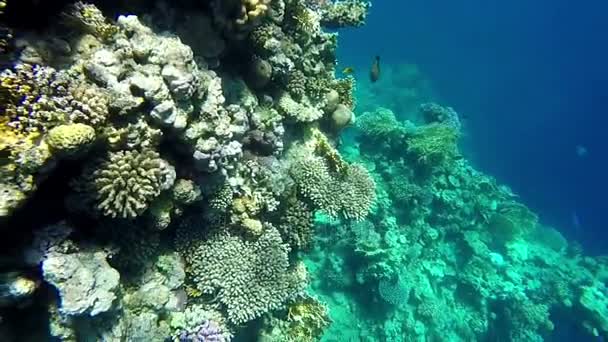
x=209, y=331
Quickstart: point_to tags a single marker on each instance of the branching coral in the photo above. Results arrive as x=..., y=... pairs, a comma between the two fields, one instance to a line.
x=37, y=98
x=248, y=278
x=343, y=13
x=394, y=291
x=346, y=90
x=208, y=331
x=307, y=20
x=34, y=97
x=296, y=225
x=122, y=184
x=349, y=194
x=298, y=111
x=296, y=84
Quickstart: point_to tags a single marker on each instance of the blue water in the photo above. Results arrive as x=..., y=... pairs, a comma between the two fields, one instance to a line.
x=533, y=78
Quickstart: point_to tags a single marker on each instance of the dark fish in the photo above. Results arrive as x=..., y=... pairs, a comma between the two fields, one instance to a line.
x=374, y=73
x=348, y=71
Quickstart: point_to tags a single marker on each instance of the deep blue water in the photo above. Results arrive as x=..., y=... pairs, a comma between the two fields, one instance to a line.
x=533, y=78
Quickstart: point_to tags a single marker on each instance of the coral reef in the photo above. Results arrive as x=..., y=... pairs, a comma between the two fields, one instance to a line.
x=70, y=139
x=447, y=253
x=248, y=278
x=197, y=161
x=123, y=184
x=208, y=331
x=306, y=319
x=332, y=185
x=342, y=13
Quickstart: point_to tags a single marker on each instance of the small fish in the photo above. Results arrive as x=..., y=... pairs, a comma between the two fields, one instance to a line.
x=348, y=71
x=581, y=151
x=374, y=73
x=576, y=221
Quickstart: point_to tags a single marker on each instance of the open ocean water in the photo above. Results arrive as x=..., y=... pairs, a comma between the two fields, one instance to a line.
x=532, y=77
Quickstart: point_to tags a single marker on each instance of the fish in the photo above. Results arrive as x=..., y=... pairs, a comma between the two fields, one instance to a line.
x=581, y=151
x=374, y=73
x=348, y=71
x=576, y=221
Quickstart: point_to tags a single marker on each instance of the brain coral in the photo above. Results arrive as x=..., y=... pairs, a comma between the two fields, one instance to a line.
x=123, y=183
x=70, y=139
x=248, y=277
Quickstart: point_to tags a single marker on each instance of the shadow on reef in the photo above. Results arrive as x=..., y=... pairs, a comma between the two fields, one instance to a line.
x=45, y=207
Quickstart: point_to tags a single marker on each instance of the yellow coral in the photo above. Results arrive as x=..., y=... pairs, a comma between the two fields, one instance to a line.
x=13, y=142
x=252, y=10
x=246, y=205
x=70, y=139
x=92, y=19
x=253, y=226
x=324, y=149
x=308, y=318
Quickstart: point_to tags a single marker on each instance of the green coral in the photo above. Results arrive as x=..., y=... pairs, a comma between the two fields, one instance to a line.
x=296, y=224
x=513, y=220
x=433, y=144
x=296, y=84
x=89, y=18
x=382, y=126
x=306, y=320
x=123, y=184
x=346, y=88
x=70, y=139
x=594, y=304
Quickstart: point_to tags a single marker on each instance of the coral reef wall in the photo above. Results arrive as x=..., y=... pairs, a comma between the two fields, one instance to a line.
x=173, y=171
x=173, y=140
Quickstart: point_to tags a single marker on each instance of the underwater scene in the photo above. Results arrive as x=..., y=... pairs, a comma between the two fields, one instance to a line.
x=303, y=170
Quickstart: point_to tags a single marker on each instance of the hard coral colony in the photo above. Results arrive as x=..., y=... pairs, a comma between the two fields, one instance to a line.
x=181, y=196
x=163, y=138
